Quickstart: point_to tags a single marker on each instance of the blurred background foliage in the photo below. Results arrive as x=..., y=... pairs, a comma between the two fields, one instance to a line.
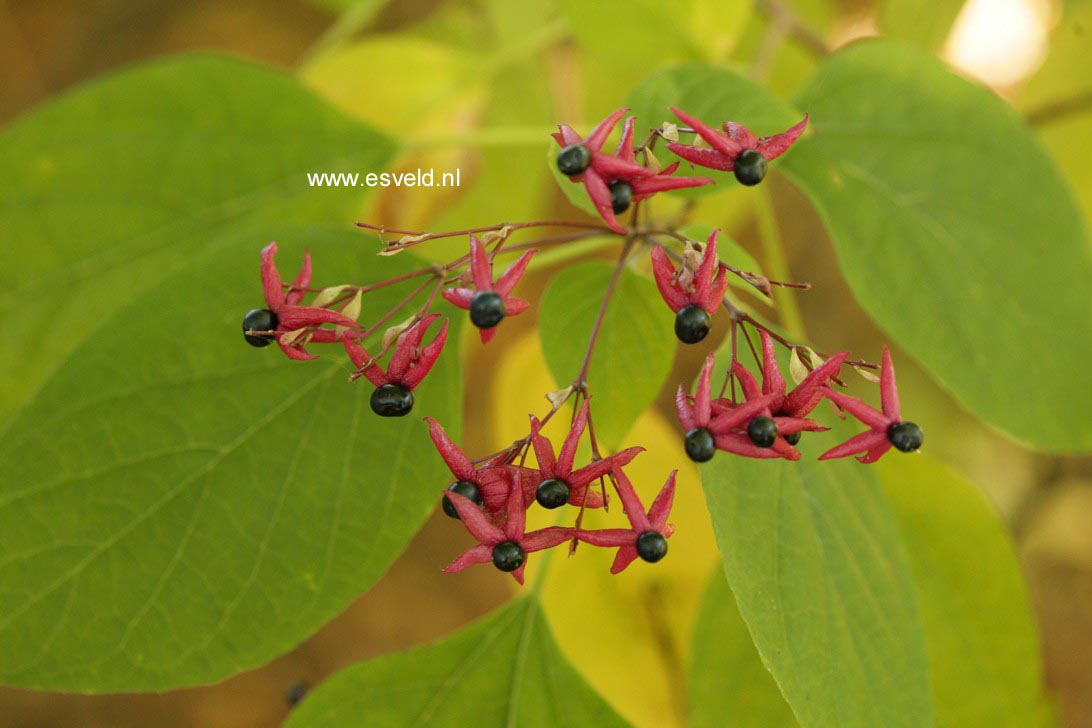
x=475, y=84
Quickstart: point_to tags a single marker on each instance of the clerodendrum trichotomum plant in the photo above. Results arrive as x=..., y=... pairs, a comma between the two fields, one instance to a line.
x=742, y=417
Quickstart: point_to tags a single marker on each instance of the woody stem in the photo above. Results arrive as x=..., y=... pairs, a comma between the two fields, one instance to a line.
x=581, y=381
x=782, y=15
x=773, y=246
x=397, y=307
x=421, y=237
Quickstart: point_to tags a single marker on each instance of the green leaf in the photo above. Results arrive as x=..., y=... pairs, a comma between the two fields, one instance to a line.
x=713, y=95
x=909, y=22
x=425, y=86
x=177, y=506
x=983, y=649
x=1056, y=101
x=367, y=8
x=116, y=184
x=956, y=234
x=647, y=32
x=982, y=641
x=813, y=554
x=729, y=685
x=634, y=351
x=504, y=670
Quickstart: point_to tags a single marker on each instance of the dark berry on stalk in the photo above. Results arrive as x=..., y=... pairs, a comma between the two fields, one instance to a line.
x=260, y=319
x=762, y=431
x=651, y=546
x=573, y=160
x=691, y=324
x=464, y=488
x=905, y=436
x=486, y=309
x=750, y=167
x=700, y=445
x=392, y=400
x=508, y=556
x=621, y=196
x=793, y=438
x=552, y=493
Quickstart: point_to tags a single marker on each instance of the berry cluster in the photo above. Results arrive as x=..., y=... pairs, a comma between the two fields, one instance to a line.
x=492, y=499
x=769, y=421
x=491, y=495
x=293, y=326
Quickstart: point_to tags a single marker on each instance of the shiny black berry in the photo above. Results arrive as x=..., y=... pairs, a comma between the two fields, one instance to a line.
x=260, y=319
x=691, y=324
x=621, y=196
x=508, y=556
x=905, y=436
x=486, y=309
x=762, y=431
x=552, y=493
x=750, y=168
x=392, y=400
x=651, y=546
x=793, y=438
x=700, y=445
x=573, y=159
x=464, y=488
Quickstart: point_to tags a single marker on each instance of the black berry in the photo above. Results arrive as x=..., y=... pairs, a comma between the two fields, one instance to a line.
x=486, y=309
x=260, y=319
x=905, y=436
x=762, y=431
x=573, y=159
x=750, y=168
x=552, y=493
x=464, y=488
x=508, y=556
x=700, y=445
x=651, y=546
x=691, y=324
x=621, y=196
x=793, y=438
x=392, y=400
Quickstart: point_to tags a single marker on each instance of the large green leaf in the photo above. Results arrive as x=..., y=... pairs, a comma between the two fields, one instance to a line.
x=105, y=190
x=634, y=351
x=1056, y=101
x=909, y=22
x=982, y=643
x=813, y=554
x=713, y=95
x=648, y=32
x=983, y=650
x=956, y=234
x=728, y=683
x=504, y=670
x=177, y=506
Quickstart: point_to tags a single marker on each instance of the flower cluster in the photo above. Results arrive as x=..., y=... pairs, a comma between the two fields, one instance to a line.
x=614, y=182
x=751, y=416
x=769, y=421
x=492, y=500
x=293, y=326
